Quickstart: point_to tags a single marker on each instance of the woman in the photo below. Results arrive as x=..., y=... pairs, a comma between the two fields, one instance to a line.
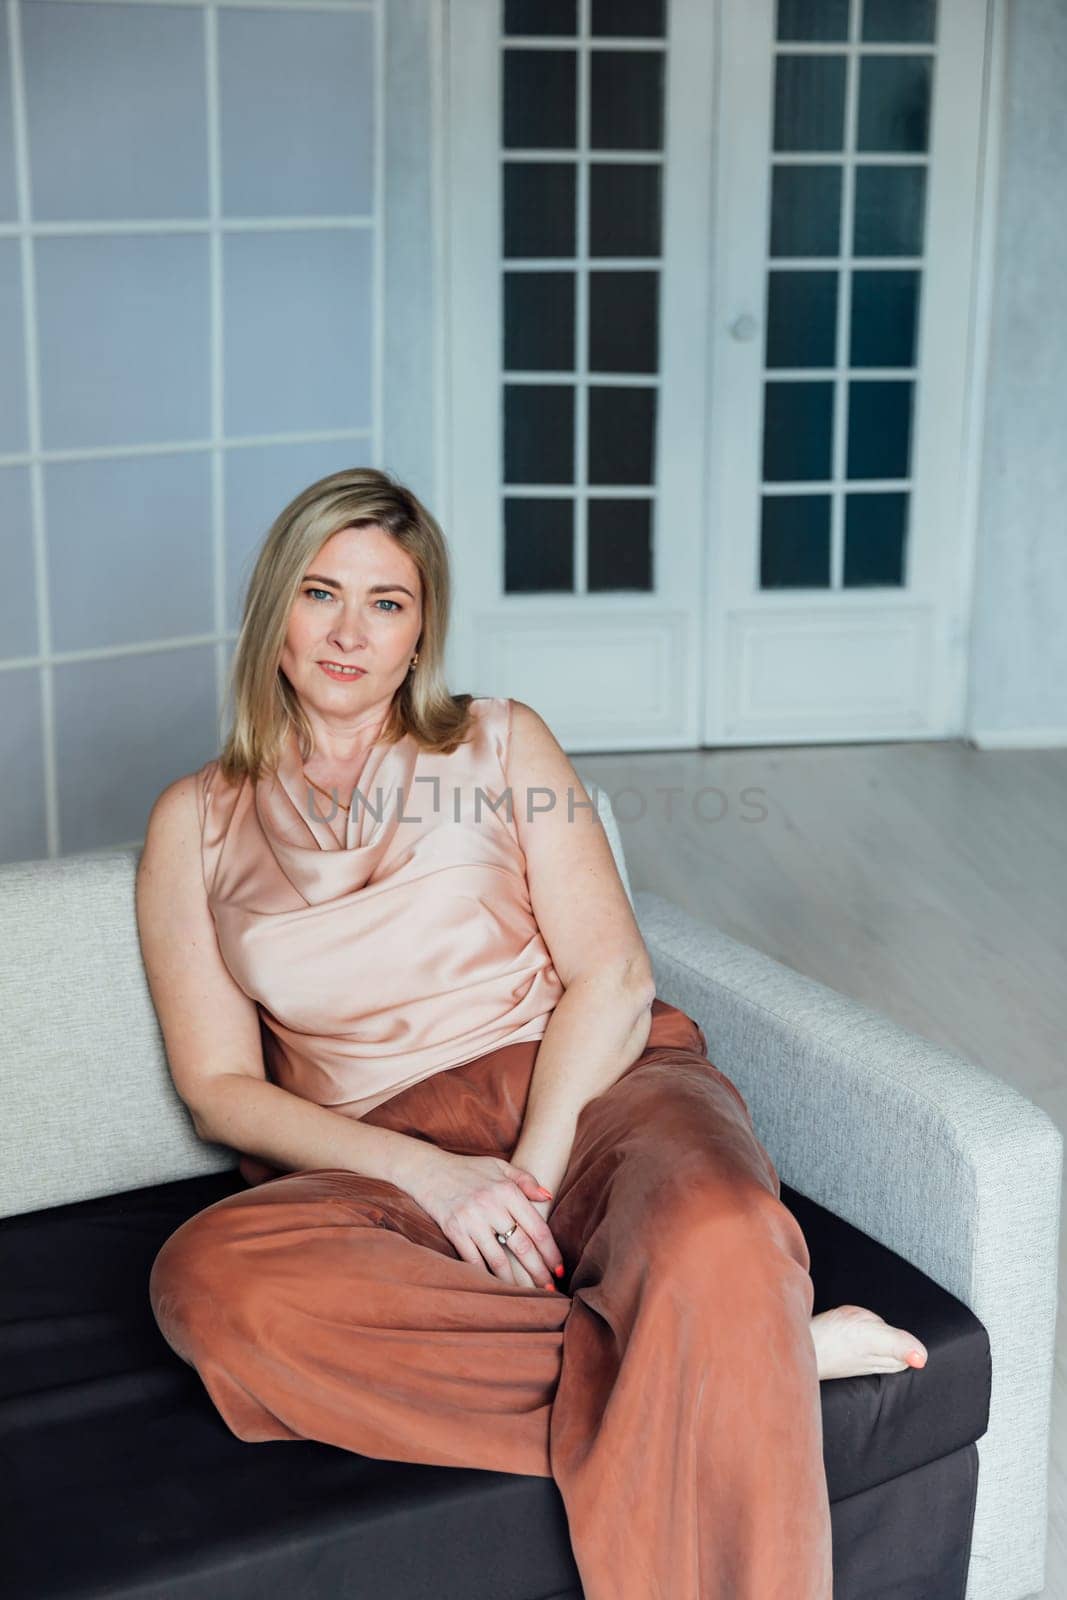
x=429, y=1022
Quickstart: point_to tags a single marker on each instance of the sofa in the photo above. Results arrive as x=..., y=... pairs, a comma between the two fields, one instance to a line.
x=926, y=1188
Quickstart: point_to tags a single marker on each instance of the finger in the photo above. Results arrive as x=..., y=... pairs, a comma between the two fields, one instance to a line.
x=496, y=1257
x=466, y=1249
x=537, y=1230
x=520, y=1252
x=510, y=1268
x=532, y=1189
x=519, y=1273
x=522, y=1246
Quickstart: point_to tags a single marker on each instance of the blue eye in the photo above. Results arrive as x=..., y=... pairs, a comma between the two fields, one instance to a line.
x=311, y=593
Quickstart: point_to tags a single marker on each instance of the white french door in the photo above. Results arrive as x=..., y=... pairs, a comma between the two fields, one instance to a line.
x=848, y=167
x=578, y=348
x=707, y=336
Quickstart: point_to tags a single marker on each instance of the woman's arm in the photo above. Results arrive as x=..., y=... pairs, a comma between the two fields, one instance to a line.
x=297, y=1135
x=598, y=1029
x=600, y=1025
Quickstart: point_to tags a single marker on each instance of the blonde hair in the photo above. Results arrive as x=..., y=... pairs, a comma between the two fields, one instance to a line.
x=266, y=707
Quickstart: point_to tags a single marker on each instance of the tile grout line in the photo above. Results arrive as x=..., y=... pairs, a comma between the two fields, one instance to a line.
x=31, y=357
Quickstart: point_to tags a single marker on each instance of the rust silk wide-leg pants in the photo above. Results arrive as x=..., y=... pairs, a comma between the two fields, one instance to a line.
x=670, y=1387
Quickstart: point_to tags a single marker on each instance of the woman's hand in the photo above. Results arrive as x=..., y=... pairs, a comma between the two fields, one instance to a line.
x=473, y=1198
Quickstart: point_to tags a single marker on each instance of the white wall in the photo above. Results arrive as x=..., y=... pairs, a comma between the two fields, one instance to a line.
x=1019, y=630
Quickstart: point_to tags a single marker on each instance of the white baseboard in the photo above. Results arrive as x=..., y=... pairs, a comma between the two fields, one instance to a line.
x=1019, y=738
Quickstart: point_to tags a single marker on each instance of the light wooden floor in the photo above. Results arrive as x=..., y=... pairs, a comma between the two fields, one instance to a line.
x=928, y=881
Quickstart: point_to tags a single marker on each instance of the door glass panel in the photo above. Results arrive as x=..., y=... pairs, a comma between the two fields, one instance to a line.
x=626, y=110
x=797, y=423
x=795, y=541
x=639, y=18
x=812, y=19
x=805, y=210
x=801, y=319
x=622, y=423
x=624, y=209
x=582, y=193
x=623, y=321
x=894, y=103
x=879, y=429
x=540, y=99
x=889, y=211
x=899, y=21
x=875, y=531
x=885, y=308
x=844, y=286
x=539, y=208
x=809, y=103
x=539, y=432
x=620, y=544
x=538, y=545
x=539, y=321
x=540, y=16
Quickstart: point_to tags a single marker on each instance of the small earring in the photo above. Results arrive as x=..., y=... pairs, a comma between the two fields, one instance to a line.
x=415, y=658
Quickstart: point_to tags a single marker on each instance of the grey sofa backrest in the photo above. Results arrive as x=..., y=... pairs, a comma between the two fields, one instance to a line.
x=87, y=1104
x=86, y=1098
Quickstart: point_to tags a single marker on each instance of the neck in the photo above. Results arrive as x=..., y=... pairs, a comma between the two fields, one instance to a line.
x=338, y=752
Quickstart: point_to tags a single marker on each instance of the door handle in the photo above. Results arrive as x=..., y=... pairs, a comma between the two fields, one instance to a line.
x=744, y=327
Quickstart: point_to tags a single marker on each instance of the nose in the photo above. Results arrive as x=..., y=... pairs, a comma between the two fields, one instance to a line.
x=346, y=636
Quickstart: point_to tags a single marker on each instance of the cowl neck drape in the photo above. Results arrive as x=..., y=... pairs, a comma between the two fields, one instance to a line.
x=319, y=865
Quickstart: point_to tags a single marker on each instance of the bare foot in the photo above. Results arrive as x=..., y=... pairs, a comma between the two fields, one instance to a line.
x=851, y=1341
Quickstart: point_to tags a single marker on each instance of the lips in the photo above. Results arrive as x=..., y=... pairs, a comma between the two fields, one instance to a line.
x=337, y=666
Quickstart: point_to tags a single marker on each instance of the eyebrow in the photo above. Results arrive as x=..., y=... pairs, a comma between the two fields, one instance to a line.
x=375, y=588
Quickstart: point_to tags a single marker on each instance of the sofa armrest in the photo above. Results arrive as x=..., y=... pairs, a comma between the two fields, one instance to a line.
x=921, y=1149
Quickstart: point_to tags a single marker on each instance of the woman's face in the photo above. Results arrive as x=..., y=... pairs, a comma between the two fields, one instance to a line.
x=359, y=605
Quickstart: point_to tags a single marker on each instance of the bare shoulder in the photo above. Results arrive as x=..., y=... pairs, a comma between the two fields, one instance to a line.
x=536, y=755
x=178, y=797
x=530, y=729
x=174, y=820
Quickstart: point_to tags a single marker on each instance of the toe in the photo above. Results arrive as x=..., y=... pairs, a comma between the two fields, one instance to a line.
x=913, y=1351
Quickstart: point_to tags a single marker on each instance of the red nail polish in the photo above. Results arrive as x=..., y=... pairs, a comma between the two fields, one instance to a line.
x=551, y=1285
x=559, y=1272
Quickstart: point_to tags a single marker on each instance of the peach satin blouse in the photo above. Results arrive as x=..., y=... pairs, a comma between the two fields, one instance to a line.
x=407, y=948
